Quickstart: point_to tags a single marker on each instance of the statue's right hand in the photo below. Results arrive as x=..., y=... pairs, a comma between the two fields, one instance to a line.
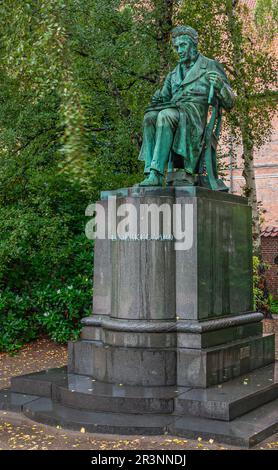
x=157, y=97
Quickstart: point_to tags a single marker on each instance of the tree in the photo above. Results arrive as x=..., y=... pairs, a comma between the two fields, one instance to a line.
x=266, y=17
x=45, y=258
x=76, y=77
x=74, y=84
x=228, y=33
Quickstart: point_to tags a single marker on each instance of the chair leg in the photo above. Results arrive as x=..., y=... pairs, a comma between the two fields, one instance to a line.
x=180, y=178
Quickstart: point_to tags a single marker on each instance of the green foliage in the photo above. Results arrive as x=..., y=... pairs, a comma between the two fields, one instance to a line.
x=76, y=76
x=43, y=248
x=59, y=310
x=228, y=33
x=74, y=84
x=54, y=309
x=266, y=16
x=17, y=321
x=262, y=299
x=273, y=305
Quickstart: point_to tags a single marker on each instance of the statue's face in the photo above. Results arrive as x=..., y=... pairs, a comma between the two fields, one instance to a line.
x=183, y=46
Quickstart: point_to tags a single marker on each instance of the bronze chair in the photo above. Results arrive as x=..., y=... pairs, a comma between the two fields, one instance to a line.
x=207, y=175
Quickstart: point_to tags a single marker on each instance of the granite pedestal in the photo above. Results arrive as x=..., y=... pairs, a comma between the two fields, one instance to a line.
x=173, y=344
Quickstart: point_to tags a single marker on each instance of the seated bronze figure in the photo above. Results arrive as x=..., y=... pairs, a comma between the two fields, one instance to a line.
x=176, y=131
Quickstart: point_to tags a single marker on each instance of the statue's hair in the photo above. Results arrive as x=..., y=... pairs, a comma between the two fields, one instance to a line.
x=185, y=31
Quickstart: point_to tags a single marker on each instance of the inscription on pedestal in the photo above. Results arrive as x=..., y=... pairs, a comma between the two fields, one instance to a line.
x=244, y=352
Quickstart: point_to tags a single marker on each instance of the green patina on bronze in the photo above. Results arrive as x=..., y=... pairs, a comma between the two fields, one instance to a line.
x=176, y=131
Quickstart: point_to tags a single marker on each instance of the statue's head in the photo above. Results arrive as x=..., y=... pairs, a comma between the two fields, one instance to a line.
x=185, y=41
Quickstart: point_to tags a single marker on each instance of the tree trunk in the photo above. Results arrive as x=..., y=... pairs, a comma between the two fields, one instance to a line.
x=248, y=173
x=250, y=190
x=164, y=24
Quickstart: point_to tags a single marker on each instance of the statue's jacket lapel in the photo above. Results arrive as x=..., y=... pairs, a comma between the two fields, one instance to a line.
x=191, y=95
x=194, y=84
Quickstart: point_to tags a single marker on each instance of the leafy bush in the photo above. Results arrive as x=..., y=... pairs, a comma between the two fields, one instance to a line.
x=273, y=304
x=45, y=258
x=46, y=261
x=54, y=309
x=260, y=291
x=17, y=321
x=59, y=310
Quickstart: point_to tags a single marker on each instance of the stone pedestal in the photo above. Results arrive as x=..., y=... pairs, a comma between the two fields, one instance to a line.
x=175, y=316
x=173, y=343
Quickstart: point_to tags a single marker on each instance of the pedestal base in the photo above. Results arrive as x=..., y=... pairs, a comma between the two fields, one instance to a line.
x=163, y=353
x=173, y=344
x=240, y=412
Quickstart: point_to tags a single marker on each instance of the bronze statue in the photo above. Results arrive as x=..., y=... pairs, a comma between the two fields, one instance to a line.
x=176, y=131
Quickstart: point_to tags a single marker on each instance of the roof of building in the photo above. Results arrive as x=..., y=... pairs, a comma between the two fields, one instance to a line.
x=270, y=231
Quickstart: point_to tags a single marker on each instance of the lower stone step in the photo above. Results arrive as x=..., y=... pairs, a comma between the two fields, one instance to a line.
x=231, y=399
x=48, y=412
x=10, y=401
x=39, y=383
x=225, y=401
x=245, y=431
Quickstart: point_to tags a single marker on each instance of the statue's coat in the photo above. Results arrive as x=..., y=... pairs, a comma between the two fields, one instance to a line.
x=190, y=97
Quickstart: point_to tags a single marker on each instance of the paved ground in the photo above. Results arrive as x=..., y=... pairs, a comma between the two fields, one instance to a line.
x=18, y=432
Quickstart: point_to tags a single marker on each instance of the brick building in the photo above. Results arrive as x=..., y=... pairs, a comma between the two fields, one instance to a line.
x=266, y=174
x=266, y=169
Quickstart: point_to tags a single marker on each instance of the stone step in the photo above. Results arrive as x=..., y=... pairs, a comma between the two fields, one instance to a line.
x=222, y=402
x=231, y=399
x=83, y=392
x=44, y=410
x=11, y=401
x=39, y=383
x=247, y=430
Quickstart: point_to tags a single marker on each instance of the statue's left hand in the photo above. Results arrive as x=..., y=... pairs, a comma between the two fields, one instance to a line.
x=157, y=97
x=215, y=79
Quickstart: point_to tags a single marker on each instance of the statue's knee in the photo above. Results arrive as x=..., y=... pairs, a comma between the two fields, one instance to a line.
x=165, y=117
x=150, y=118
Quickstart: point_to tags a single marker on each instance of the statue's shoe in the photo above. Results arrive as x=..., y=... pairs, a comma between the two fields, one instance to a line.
x=154, y=179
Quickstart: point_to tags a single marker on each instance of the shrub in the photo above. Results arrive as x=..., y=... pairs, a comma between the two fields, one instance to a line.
x=273, y=303
x=54, y=309
x=18, y=325
x=59, y=310
x=260, y=291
